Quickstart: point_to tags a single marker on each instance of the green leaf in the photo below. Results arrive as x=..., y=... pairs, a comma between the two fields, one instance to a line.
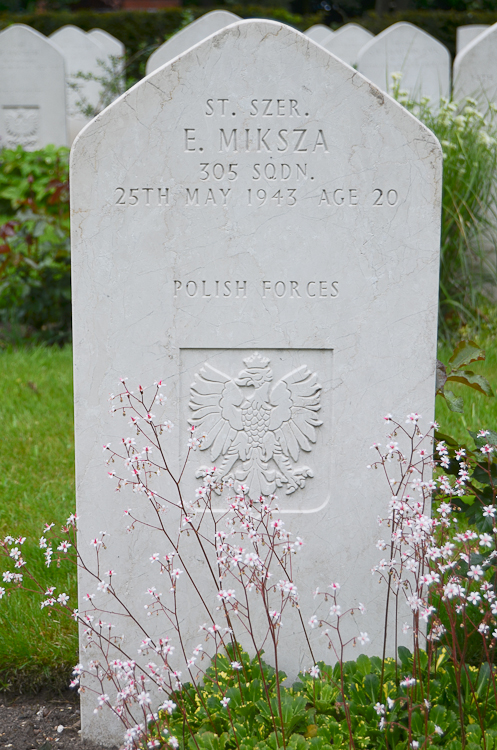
x=364, y=664
x=464, y=353
x=454, y=403
x=405, y=656
x=472, y=380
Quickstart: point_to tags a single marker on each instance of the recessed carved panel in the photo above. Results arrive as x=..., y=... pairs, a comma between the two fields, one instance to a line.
x=22, y=126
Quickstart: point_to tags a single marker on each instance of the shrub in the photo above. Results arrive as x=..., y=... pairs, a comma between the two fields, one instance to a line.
x=35, y=286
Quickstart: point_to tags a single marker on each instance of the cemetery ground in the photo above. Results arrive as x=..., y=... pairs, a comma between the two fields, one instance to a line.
x=37, y=652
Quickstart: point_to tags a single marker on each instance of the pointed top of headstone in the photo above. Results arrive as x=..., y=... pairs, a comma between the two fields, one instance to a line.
x=319, y=33
x=475, y=69
x=347, y=42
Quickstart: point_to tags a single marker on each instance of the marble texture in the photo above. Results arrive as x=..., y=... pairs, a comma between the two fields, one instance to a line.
x=466, y=34
x=347, y=42
x=319, y=33
x=475, y=69
x=254, y=195
x=81, y=55
x=403, y=48
x=189, y=36
x=32, y=90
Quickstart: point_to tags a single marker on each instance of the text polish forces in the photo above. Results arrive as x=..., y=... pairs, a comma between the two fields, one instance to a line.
x=314, y=289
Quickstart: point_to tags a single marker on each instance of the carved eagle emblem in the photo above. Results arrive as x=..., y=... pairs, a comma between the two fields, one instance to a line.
x=261, y=426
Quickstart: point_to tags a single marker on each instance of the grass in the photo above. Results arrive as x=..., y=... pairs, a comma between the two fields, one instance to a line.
x=37, y=485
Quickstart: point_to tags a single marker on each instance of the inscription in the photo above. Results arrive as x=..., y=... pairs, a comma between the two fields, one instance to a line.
x=146, y=196
x=225, y=289
x=255, y=430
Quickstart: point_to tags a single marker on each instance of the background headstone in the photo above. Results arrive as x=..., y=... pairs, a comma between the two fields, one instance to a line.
x=403, y=48
x=319, y=33
x=475, y=69
x=253, y=195
x=32, y=90
x=347, y=42
x=109, y=44
x=81, y=55
x=466, y=34
x=189, y=36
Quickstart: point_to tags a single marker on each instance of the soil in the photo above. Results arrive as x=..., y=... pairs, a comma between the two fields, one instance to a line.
x=41, y=723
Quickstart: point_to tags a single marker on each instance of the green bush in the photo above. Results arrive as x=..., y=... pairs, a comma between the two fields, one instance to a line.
x=35, y=267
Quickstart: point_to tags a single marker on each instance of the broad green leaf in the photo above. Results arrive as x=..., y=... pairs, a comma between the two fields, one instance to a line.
x=464, y=353
x=472, y=380
x=364, y=664
x=405, y=656
x=453, y=402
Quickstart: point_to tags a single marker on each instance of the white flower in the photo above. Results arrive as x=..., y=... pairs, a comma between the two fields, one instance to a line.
x=314, y=671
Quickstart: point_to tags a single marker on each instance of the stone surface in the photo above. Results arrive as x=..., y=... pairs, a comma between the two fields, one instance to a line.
x=237, y=202
x=403, y=48
x=189, y=36
x=32, y=90
x=347, y=42
x=466, y=34
x=81, y=55
x=475, y=69
x=319, y=33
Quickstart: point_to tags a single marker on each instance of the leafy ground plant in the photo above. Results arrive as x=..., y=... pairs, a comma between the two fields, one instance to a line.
x=35, y=286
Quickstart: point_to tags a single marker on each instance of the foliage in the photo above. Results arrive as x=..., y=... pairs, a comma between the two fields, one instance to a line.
x=465, y=353
x=468, y=251
x=35, y=290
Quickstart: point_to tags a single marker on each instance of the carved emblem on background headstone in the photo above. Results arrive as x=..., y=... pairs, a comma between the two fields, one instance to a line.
x=22, y=125
x=261, y=426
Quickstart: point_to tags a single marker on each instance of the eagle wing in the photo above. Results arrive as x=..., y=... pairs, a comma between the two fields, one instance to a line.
x=296, y=400
x=215, y=399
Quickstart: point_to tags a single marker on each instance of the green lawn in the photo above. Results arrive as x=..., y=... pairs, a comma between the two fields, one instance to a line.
x=37, y=485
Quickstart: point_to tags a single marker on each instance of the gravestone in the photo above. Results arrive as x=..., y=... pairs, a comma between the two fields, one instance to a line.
x=466, y=34
x=279, y=216
x=403, y=48
x=319, y=33
x=111, y=46
x=347, y=42
x=32, y=90
x=189, y=36
x=81, y=55
x=475, y=69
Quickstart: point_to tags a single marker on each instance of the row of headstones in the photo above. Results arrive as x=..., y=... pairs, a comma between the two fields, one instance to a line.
x=42, y=100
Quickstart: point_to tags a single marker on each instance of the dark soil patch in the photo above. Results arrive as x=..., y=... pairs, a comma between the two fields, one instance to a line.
x=34, y=723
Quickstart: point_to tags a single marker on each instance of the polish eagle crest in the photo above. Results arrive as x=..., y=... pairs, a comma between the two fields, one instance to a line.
x=246, y=420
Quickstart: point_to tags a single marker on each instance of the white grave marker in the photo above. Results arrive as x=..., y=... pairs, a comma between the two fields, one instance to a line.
x=403, y=48
x=347, y=42
x=319, y=33
x=108, y=43
x=237, y=211
x=81, y=54
x=466, y=34
x=32, y=90
x=192, y=34
x=475, y=69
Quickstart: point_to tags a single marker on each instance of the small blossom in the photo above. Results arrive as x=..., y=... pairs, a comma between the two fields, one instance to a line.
x=314, y=671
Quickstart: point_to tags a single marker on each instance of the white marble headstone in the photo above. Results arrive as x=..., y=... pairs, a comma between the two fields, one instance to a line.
x=466, y=34
x=108, y=43
x=475, y=69
x=32, y=90
x=81, y=54
x=192, y=34
x=403, y=48
x=347, y=42
x=319, y=33
x=235, y=202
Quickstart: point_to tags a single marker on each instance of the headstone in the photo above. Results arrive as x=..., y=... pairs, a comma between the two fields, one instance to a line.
x=475, y=69
x=32, y=90
x=108, y=43
x=466, y=34
x=319, y=33
x=347, y=42
x=403, y=48
x=236, y=212
x=81, y=54
x=189, y=36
